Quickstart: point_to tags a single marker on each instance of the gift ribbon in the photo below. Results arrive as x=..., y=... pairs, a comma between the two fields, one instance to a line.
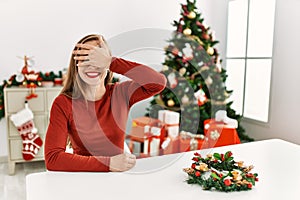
x=150, y=137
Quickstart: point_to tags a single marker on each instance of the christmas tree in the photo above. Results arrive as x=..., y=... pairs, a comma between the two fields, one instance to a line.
x=196, y=80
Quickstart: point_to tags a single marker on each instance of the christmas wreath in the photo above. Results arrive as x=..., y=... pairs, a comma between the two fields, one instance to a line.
x=220, y=172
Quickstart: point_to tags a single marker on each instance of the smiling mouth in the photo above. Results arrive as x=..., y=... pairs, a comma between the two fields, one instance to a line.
x=92, y=74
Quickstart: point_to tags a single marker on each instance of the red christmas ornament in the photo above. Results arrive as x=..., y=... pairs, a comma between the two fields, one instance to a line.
x=249, y=186
x=175, y=51
x=186, y=59
x=205, y=36
x=200, y=25
x=180, y=28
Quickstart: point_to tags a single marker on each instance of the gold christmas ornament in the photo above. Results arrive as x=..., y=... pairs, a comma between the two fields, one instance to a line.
x=187, y=31
x=171, y=103
x=204, y=68
x=165, y=68
x=191, y=15
x=210, y=51
x=182, y=71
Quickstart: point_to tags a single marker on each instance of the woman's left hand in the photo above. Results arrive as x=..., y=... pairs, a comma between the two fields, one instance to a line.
x=93, y=55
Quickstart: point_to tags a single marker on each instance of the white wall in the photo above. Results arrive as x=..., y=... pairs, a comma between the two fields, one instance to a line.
x=49, y=29
x=285, y=98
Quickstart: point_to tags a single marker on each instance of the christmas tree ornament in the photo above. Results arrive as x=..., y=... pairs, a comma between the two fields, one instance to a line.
x=210, y=51
x=201, y=26
x=188, y=51
x=182, y=71
x=165, y=68
x=23, y=120
x=186, y=59
x=172, y=80
x=208, y=81
x=205, y=36
x=191, y=15
x=20, y=78
x=187, y=31
x=201, y=97
x=180, y=28
x=204, y=68
x=171, y=103
x=184, y=8
x=185, y=99
x=175, y=51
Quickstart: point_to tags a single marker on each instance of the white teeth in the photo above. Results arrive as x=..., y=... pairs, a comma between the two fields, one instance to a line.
x=92, y=74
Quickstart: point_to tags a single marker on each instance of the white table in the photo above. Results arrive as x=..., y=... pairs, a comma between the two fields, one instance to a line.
x=277, y=163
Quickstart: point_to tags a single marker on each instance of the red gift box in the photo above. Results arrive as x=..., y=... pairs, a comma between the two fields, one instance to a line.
x=150, y=133
x=138, y=125
x=172, y=145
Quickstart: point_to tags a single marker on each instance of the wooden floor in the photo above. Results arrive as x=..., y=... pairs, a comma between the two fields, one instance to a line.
x=13, y=187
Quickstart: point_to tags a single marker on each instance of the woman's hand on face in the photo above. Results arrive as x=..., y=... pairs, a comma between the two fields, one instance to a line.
x=122, y=162
x=91, y=55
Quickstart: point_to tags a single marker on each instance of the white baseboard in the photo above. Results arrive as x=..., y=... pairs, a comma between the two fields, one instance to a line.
x=3, y=159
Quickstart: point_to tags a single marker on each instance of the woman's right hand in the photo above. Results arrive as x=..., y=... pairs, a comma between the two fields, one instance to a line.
x=98, y=56
x=122, y=162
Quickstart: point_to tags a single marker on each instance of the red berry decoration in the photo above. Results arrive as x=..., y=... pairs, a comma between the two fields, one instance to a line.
x=227, y=182
x=197, y=173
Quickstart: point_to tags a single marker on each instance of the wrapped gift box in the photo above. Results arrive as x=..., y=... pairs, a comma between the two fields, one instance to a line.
x=170, y=120
x=138, y=125
x=150, y=133
x=191, y=142
x=219, y=134
x=170, y=145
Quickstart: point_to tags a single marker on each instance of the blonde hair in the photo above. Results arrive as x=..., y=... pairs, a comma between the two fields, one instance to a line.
x=74, y=86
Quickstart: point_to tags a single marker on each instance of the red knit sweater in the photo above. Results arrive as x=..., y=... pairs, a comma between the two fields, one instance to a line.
x=97, y=129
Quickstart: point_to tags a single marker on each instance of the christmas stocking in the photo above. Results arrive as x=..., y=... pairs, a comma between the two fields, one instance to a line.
x=32, y=142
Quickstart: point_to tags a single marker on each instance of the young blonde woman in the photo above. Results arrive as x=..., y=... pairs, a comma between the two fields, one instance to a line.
x=92, y=112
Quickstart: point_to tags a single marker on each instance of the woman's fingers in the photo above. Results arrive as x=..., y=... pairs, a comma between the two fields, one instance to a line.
x=131, y=159
x=85, y=46
x=81, y=58
x=81, y=52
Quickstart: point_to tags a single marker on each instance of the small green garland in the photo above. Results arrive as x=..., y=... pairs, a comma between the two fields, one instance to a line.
x=220, y=172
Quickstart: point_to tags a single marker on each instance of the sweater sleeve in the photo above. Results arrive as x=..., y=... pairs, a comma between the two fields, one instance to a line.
x=145, y=82
x=56, y=158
